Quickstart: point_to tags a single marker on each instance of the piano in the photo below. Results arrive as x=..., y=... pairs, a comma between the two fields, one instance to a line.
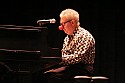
x=24, y=49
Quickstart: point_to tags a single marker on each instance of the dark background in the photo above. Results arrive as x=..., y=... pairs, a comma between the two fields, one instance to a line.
x=104, y=19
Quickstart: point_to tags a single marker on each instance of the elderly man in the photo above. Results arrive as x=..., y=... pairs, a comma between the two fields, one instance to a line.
x=78, y=50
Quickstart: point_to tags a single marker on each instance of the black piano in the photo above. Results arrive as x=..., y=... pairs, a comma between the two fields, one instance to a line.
x=24, y=51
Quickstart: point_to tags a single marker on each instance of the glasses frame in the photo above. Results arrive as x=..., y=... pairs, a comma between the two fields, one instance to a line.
x=63, y=24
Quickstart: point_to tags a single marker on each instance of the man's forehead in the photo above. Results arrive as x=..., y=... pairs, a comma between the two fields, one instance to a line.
x=63, y=19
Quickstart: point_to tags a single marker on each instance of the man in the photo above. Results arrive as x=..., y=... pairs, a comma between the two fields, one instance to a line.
x=78, y=50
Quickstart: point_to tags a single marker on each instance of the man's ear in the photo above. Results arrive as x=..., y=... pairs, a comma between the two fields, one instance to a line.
x=73, y=21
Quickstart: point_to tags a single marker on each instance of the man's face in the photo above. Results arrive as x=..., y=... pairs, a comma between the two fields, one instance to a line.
x=67, y=25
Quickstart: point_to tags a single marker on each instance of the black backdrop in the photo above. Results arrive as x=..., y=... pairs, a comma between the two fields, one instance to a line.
x=104, y=19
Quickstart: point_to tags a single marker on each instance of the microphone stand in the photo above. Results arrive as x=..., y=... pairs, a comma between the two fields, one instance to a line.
x=42, y=23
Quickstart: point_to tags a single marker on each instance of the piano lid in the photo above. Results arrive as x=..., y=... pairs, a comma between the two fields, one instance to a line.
x=27, y=38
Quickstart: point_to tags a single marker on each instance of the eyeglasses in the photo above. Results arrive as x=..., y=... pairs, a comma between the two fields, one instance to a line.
x=62, y=24
x=61, y=27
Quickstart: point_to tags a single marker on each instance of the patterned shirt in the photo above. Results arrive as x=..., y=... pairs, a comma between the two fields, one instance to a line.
x=79, y=47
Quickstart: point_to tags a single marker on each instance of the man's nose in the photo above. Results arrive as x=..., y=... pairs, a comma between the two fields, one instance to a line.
x=60, y=27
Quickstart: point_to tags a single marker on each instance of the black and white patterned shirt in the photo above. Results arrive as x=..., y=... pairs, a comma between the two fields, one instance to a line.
x=80, y=47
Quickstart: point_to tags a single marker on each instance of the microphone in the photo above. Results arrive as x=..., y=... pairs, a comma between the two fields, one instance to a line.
x=46, y=21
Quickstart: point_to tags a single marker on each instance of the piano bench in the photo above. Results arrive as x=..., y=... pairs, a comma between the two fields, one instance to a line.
x=88, y=79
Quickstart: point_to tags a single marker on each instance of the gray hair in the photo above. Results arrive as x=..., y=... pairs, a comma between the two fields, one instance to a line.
x=70, y=14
